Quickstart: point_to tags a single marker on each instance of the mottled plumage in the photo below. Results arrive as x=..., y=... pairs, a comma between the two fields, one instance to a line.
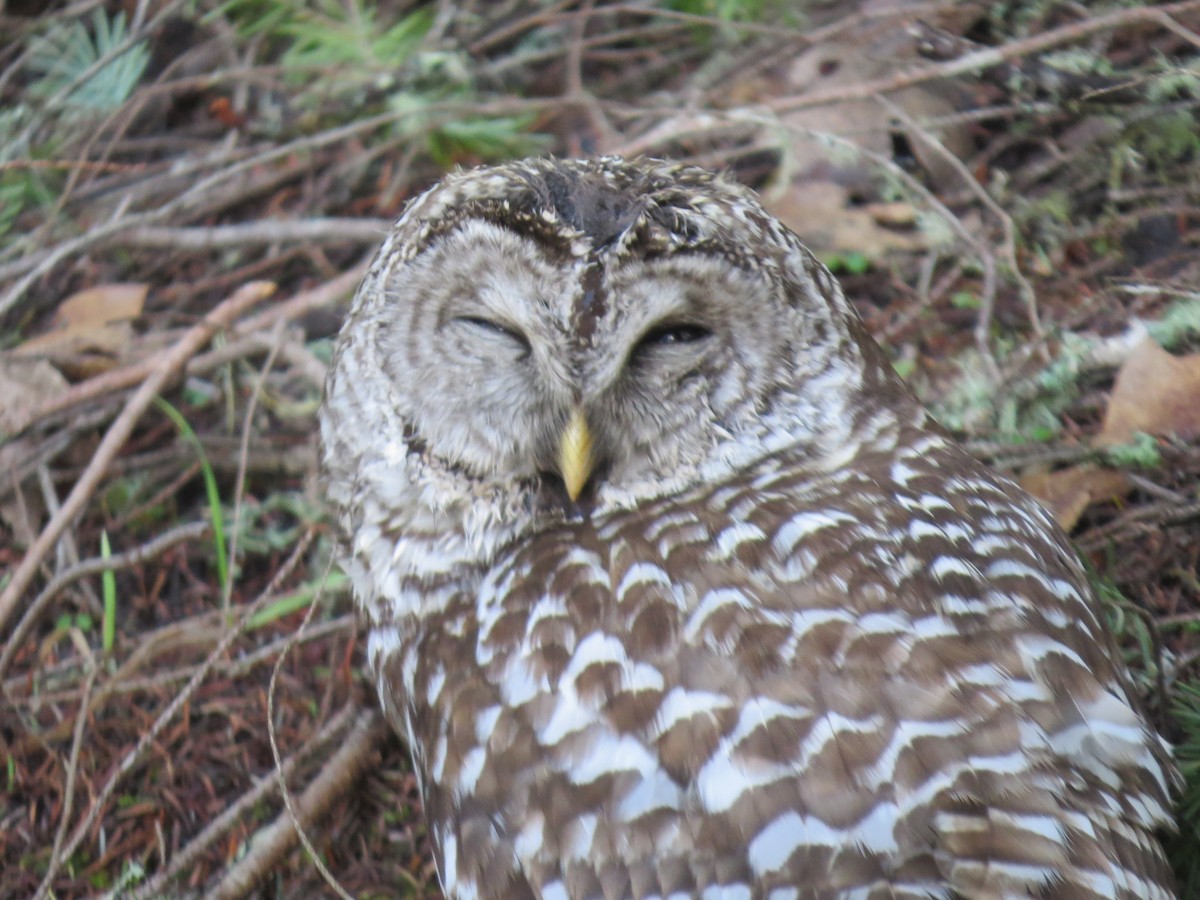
x=789, y=640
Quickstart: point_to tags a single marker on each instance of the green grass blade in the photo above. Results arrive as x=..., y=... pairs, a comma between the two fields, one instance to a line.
x=290, y=603
x=210, y=486
x=108, y=586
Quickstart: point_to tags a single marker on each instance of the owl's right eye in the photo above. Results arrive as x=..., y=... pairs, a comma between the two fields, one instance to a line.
x=669, y=337
x=489, y=329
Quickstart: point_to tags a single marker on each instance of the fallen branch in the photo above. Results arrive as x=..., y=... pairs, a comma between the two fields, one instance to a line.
x=190, y=854
x=267, y=849
x=119, y=379
x=165, y=366
x=988, y=57
x=151, y=735
x=88, y=567
x=243, y=234
x=81, y=718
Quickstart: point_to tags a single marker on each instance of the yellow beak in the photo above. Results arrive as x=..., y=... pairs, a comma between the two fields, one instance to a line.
x=575, y=454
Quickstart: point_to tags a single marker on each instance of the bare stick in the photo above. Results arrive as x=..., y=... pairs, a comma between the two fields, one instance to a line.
x=983, y=326
x=668, y=131
x=117, y=379
x=93, y=566
x=118, y=433
x=185, y=694
x=190, y=854
x=124, y=681
x=239, y=484
x=992, y=56
x=343, y=769
x=288, y=802
x=81, y=717
x=263, y=231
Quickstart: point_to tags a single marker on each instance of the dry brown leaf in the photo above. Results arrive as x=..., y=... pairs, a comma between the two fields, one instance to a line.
x=1156, y=393
x=896, y=213
x=1068, y=492
x=96, y=320
x=866, y=122
x=818, y=210
x=25, y=384
x=102, y=305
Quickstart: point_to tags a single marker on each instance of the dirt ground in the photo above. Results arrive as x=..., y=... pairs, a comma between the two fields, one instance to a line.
x=189, y=193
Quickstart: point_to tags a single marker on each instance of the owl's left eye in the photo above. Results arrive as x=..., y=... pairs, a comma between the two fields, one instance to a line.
x=681, y=333
x=490, y=328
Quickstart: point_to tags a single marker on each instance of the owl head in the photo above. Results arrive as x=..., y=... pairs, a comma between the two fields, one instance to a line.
x=547, y=338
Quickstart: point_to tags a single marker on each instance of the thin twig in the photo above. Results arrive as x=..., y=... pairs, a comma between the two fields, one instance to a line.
x=263, y=231
x=983, y=324
x=52, y=103
x=189, y=855
x=168, y=363
x=81, y=717
x=992, y=56
x=93, y=566
x=310, y=811
x=131, y=758
x=358, y=752
x=239, y=484
x=199, y=194
x=122, y=682
x=1141, y=519
x=118, y=379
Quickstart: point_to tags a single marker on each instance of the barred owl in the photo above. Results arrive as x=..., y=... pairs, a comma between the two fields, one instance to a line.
x=673, y=588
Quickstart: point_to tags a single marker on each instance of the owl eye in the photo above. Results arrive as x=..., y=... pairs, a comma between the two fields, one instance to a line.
x=493, y=329
x=673, y=333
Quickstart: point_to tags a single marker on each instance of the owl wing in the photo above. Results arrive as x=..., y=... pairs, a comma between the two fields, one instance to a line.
x=788, y=684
